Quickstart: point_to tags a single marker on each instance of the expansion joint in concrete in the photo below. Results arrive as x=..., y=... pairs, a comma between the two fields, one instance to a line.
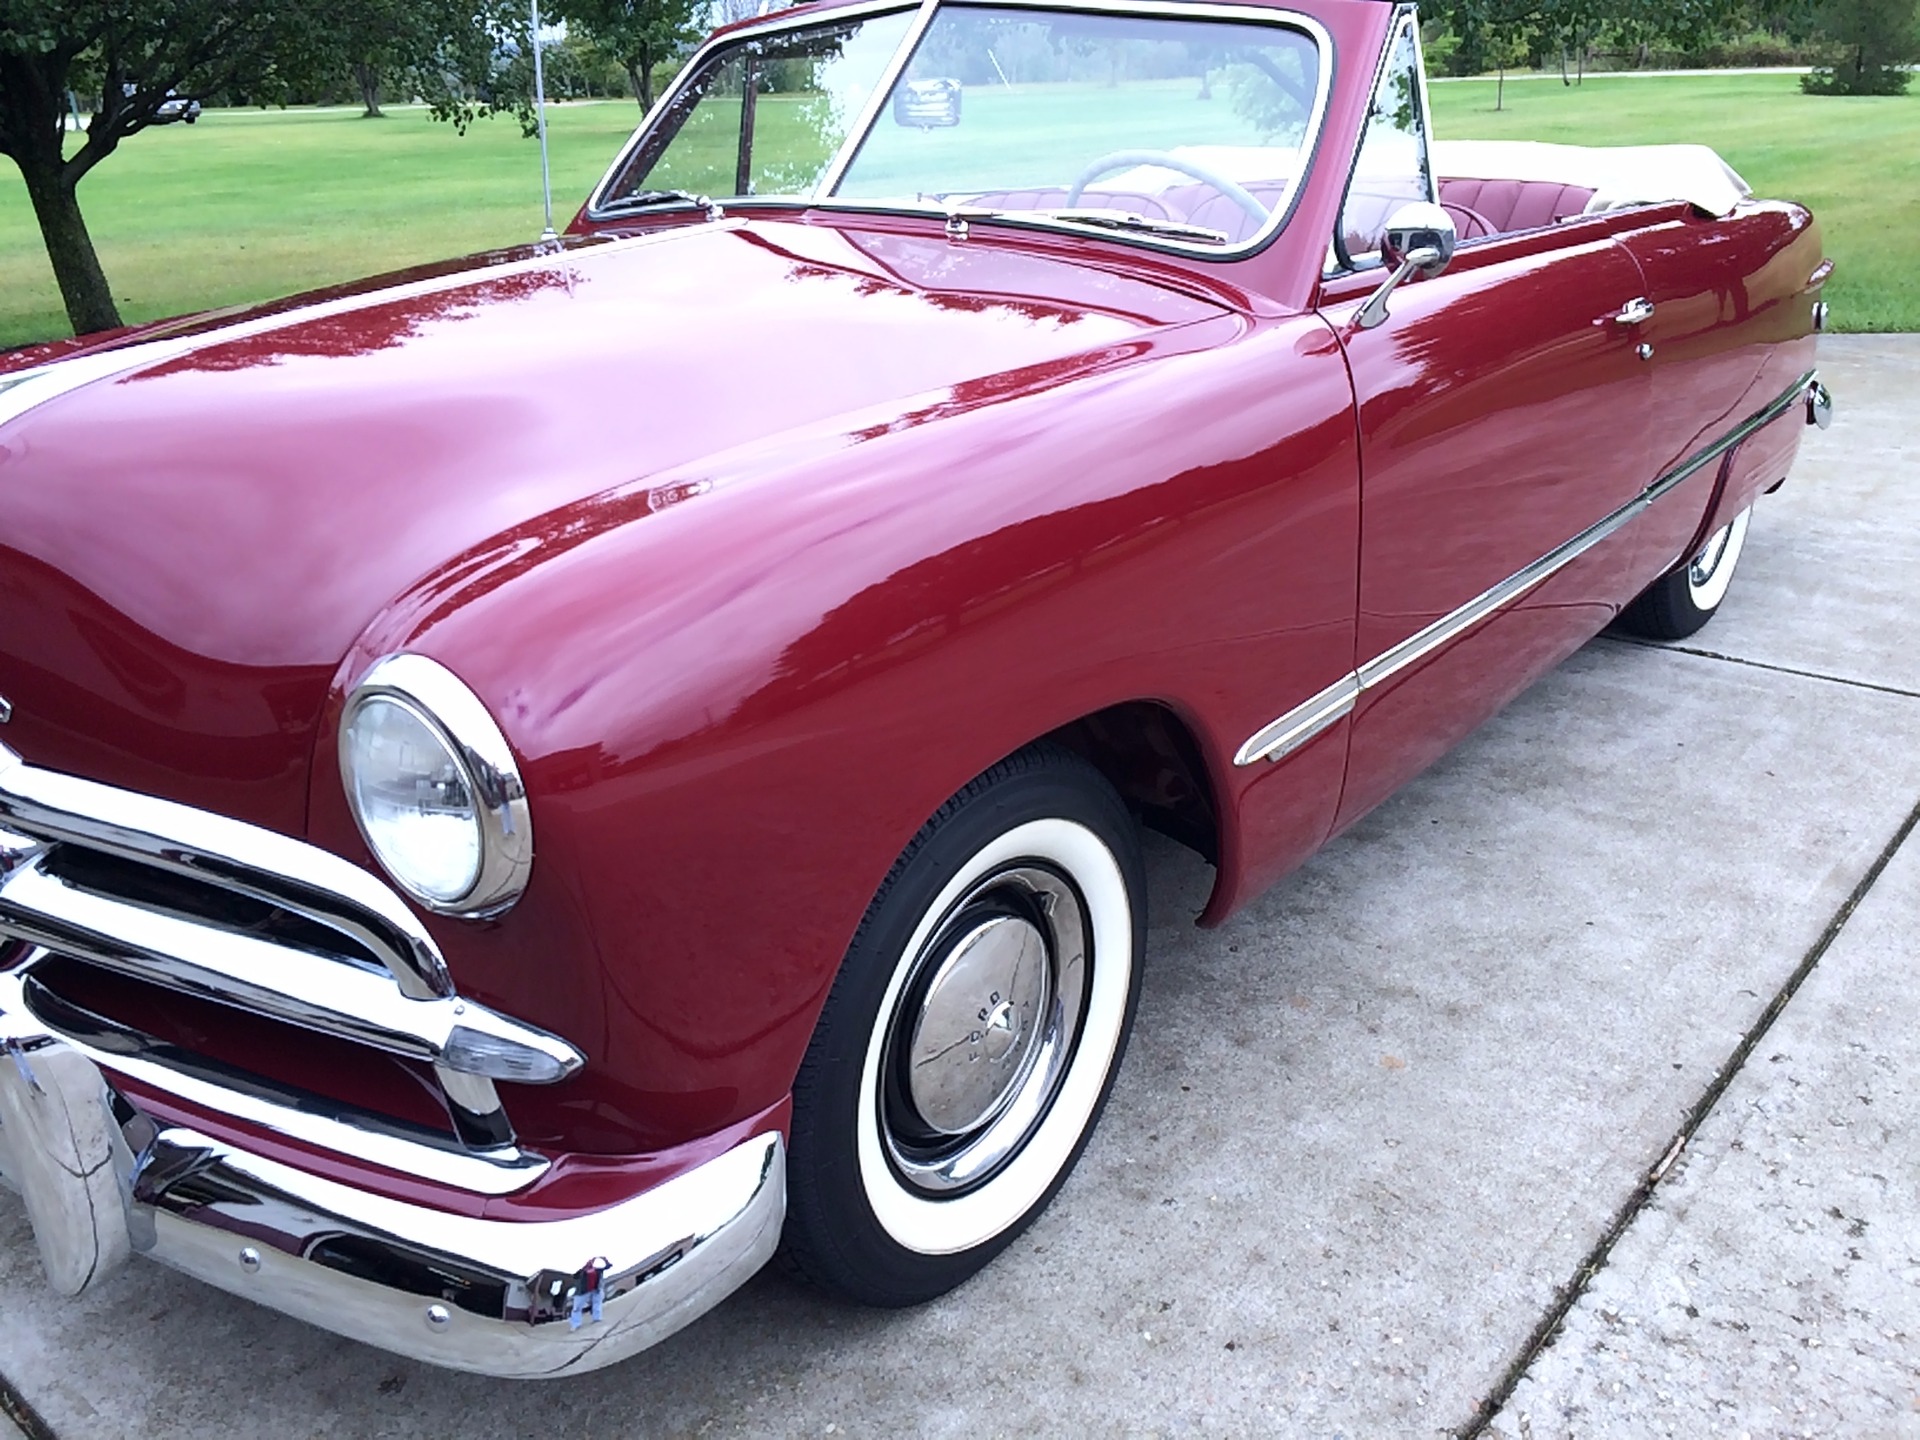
x=1545, y=1332
x=1700, y=654
x=14, y=1407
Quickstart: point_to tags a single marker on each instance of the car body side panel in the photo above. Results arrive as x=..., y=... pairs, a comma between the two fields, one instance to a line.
x=1497, y=422
x=1732, y=329
x=734, y=715
x=1731, y=333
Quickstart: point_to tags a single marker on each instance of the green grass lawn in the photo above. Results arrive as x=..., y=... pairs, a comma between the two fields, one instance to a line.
x=251, y=204
x=248, y=204
x=1854, y=162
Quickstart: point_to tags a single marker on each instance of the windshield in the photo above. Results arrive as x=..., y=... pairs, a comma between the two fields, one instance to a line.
x=1176, y=129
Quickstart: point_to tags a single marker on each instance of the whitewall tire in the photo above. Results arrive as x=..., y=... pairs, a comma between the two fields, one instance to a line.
x=1687, y=596
x=972, y=1036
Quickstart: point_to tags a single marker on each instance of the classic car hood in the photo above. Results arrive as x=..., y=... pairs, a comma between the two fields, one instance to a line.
x=192, y=544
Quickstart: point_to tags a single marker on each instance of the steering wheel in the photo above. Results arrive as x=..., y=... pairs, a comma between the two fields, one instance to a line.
x=1125, y=159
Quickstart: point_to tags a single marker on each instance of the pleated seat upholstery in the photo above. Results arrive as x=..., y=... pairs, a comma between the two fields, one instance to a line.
x=1510, y=205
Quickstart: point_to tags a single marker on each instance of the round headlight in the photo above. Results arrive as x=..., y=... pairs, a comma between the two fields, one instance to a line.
x=434, y=789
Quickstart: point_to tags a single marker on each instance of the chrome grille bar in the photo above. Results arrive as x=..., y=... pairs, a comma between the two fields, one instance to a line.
x=387, y=987
x=231, y=854
x=306, y=990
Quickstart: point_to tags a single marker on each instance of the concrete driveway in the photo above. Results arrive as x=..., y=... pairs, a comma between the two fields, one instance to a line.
x=1378, y=1136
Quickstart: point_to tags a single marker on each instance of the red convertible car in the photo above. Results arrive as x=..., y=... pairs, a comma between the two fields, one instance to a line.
x=532, y=786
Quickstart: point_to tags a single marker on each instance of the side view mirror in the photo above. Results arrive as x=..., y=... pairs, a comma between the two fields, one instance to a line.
x=1420, y=238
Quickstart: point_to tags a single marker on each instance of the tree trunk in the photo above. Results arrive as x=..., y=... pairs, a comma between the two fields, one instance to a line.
x=1500, y=90
x=76, y=268
x=368, y=78
x=640, y=76
x=1564, y=78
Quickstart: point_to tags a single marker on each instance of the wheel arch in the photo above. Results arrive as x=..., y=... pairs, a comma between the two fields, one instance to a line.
x=1154, y=759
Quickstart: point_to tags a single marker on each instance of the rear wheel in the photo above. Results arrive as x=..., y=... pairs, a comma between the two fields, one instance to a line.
x=1686, y=597
x=972, y=1036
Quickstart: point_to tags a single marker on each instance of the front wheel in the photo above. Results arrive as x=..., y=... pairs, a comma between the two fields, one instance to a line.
x=1686, y=597
x=972, y=1036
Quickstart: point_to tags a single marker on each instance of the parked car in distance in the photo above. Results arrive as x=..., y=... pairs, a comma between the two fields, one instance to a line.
x=531, y=785
x=175, y=107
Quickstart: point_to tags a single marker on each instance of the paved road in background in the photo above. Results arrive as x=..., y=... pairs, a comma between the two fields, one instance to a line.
x=1370, y=1135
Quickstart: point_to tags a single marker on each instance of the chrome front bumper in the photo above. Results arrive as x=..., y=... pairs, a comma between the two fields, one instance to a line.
x=102, y=1181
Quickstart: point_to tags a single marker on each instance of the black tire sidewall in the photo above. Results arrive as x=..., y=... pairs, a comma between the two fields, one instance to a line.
x=833, y=1236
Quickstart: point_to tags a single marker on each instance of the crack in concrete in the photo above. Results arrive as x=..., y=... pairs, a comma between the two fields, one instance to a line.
x=1760, y=665
x=1595, y=1260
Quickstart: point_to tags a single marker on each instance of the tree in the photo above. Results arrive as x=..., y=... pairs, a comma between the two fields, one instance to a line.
x=135, y=54
x=640, y=34
x=436, y=48
x=132, y=56
x=1872, y=42
x=1492, y=35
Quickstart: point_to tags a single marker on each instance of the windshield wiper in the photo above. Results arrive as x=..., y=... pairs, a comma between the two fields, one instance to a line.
x=654, y=199
x=1127, y=220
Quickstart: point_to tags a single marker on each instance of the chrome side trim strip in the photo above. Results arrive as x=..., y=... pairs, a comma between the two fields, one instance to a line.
x=1302, y=723
x=1759, y=420
x=1282, y=737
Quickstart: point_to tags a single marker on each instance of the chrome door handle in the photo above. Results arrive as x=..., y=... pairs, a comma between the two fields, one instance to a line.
x=1634, y=312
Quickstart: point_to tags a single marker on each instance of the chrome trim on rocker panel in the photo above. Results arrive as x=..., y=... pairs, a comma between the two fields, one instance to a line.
x=1282, y=737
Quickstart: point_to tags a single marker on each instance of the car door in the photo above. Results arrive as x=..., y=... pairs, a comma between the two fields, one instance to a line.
x=1500, y=414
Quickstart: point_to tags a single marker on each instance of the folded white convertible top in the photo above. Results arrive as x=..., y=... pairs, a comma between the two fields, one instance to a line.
x=1618, y=175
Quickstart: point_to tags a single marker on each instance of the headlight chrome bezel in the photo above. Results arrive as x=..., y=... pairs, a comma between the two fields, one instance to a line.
x=438, y=697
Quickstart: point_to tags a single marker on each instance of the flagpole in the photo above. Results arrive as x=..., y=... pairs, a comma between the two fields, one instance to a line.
x=540, y=114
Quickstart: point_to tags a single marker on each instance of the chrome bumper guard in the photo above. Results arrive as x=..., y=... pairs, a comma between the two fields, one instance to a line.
x=261, y=922
x=102, y=1182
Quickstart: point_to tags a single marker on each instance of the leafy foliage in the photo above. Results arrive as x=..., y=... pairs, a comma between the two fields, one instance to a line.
x=1871, y=43
x=131, y=56
x=640, y=34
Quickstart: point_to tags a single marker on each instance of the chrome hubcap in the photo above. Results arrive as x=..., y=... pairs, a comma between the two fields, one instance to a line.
x=979, y=1025
x=984, y=1029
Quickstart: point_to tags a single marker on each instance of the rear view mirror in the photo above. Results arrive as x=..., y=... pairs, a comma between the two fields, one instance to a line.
x=927, y=104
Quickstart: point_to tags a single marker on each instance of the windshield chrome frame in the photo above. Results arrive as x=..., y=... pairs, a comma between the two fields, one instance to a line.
x=802, y=16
